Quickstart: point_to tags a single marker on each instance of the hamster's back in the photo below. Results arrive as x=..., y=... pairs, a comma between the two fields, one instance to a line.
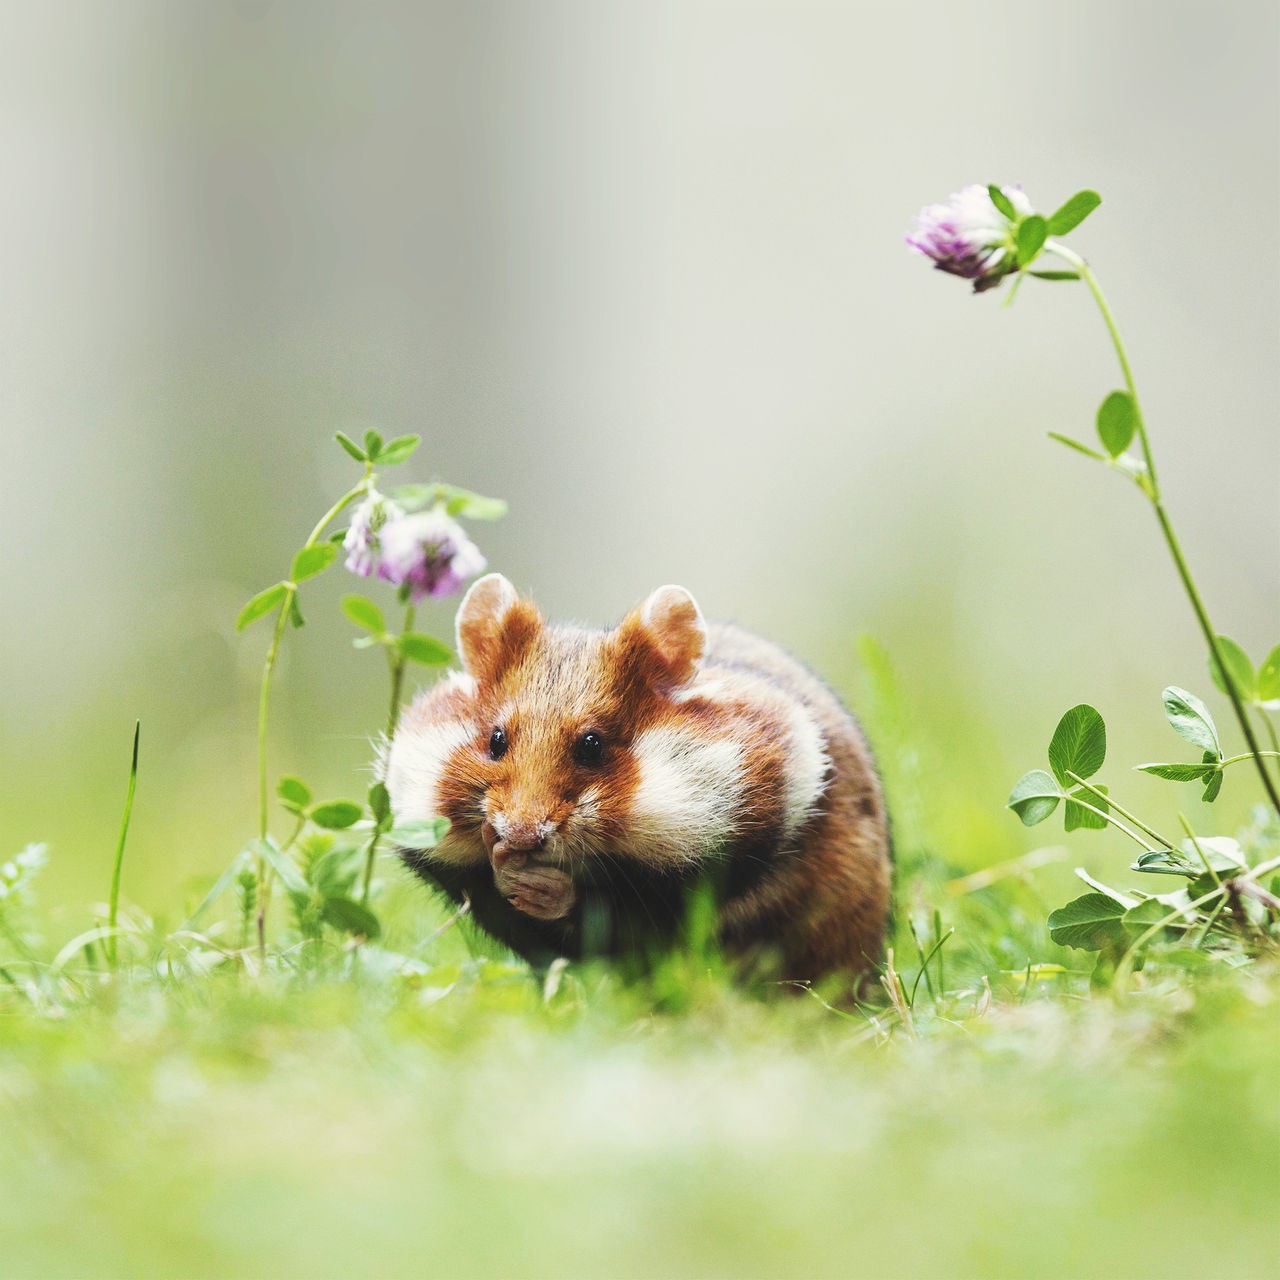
x=827, y=897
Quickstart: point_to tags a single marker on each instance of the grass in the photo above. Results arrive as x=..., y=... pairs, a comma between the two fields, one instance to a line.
x=429, y=1107
x=466, y=1120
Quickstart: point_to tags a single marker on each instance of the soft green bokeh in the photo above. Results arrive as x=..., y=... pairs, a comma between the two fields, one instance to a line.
x=343, y=1130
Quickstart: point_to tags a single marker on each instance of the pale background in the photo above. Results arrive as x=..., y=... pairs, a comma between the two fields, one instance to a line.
x=639, y=269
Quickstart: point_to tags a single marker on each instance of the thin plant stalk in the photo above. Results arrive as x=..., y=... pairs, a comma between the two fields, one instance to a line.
x=1271, y=730
x=1149, y=484
x=370, y=855
x=264, y=696
x=398, y=664
x=1123, y=812
x=113, y=906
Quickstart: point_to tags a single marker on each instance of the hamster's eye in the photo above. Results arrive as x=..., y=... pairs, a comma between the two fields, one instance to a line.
x=497, y=744
x=589, y=750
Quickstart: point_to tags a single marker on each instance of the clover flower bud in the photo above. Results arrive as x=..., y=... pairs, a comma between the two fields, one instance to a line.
x=969, y=237
x=363, y=543
x=429, y=554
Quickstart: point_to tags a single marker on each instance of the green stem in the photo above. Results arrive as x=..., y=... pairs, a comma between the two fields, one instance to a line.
x=370, y=855
x=1151, y=488
x=264, y=695
x=1123, y=812
x=1195, y=844
x=398, y=664
x=1271, y=730
x=341, y=505
x=113, y=908
x=1247, y=755
x=1119, y=826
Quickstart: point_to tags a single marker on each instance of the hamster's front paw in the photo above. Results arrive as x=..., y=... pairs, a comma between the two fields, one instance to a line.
x=545, y=893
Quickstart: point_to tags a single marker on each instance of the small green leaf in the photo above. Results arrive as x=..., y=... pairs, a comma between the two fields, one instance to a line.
x=350, y=917
x=1032, y=232
x=364, y=613
x=1175, y=772
x=1202, y=884
x=1055, y=275
x=1073, y=212
x=1211, y=788
x=280, y=863
x=372, y=445
x=351, y=447
x=424, y=649
x=313, y=560
x=1117, y=422
x=1238, y=667
x=379, y=802
x=1269, y=677
x=1075, y=816
x=398, y=450
x=1077, y=446
x=337, y=814
x=1002, y=202
x=295, y=614
x=475, y=506
x=1140, y=918
x=294, y=792
x=1079, y=744
x=260, y=605
x=1222, y=853
x=334, y=873
x=418, y=835
x=1191, y=720
x=1034, y=797
x=1090, y=923
x=1165, y=862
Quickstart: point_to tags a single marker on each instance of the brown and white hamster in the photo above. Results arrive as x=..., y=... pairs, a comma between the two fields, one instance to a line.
x=592, y=777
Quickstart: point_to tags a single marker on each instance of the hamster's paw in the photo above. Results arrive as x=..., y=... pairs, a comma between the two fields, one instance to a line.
x=545, y=893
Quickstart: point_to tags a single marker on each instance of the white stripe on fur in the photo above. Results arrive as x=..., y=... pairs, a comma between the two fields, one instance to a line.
x=687, y=796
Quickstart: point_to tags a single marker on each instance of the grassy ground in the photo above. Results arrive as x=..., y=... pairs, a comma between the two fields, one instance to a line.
x=464, y=1120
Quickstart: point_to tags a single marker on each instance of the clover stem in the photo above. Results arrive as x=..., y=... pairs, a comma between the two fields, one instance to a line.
x=264, y=695
x=1152, y=489
x=1246, y=755
x=1115, y=822
x=1271, y=730
x=1123, y=812
x=398, y=664
x=338, y=507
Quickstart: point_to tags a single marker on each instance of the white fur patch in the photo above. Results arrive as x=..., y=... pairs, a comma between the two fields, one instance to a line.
x=415, y=764
x=687, y=797
x=808, y=769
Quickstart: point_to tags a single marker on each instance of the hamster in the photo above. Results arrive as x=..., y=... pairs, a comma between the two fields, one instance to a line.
x=591, y=778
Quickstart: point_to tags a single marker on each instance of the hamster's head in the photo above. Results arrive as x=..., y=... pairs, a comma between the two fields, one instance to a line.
x=543, y=750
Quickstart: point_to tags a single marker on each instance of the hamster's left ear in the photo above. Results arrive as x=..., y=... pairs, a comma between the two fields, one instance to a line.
x=495, y=627
x=666, y=636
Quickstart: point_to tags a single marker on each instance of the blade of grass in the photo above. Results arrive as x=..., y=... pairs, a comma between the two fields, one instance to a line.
x=113, y=910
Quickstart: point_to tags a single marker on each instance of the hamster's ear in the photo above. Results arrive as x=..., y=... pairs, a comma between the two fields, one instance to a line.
x=495, y=627
x=665, y=636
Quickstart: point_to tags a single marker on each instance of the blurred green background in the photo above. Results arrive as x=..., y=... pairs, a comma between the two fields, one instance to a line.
x=639, y=269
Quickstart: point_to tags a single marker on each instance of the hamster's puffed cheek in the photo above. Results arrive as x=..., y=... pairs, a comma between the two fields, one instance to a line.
x=416, y=764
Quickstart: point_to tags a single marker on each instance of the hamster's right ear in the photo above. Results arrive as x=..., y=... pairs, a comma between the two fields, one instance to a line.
x=662, y=640
x=495, y=627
